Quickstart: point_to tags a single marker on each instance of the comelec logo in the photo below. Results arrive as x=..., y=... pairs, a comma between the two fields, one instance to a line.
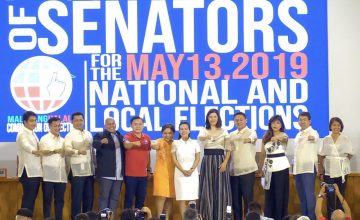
x=41, y=84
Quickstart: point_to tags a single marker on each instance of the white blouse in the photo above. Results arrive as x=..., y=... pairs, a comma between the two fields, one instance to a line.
x=75, y=140
x=53, y=165
x=185, y=152
x=243, y=155
x=216, y=142
x=305, y=151
x=276, y=163
x=27, y=141
x=336, y=162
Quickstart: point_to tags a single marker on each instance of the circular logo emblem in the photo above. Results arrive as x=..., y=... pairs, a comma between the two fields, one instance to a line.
x=41, y=84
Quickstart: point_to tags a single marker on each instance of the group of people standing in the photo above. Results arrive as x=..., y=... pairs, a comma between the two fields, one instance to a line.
x=52, y=161
x=226, y=177
x=331, y=160
x=229, y=167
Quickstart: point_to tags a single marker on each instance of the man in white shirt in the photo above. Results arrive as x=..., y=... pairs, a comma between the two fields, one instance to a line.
x=78, y=145
x=110, y=160
x=55, y=175
x=305, y=161
x=242, y=164
x=29, y=156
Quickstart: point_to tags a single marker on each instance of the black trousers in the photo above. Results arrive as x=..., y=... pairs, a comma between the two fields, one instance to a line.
x=242, y=189
x=82, y=194
x=59, y=189
x=30, y=187
x=277, y=197
x=333, y=202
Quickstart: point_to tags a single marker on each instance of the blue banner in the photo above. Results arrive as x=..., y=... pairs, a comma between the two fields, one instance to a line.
x=166, y=61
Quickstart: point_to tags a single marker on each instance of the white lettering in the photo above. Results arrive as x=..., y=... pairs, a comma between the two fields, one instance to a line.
x=54, y=28
x=213, y=26
x=80, y=26
x=158, y=9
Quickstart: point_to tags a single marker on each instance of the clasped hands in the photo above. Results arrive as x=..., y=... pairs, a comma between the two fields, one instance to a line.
x=187, y=172
x=40, y=153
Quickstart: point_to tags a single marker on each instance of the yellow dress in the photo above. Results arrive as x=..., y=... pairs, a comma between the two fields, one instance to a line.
x=164, y=171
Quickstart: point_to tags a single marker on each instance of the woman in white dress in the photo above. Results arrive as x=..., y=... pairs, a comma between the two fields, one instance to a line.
x=186, y=157
x=334, y=161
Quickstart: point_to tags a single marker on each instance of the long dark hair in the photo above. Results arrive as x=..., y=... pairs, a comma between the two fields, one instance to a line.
x=184, y=123
x=270, y=133
x=219, y=122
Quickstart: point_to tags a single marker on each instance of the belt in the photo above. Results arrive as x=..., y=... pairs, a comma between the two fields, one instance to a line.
x=275, y=155
x=213, y=152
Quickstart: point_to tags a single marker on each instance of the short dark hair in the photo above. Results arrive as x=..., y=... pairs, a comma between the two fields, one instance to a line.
x=252, y=216
x=240, y=113
x=336, y=119
x=305, y=114
x=82, y=216
x=76, y=114
x=170, y=126
x=190, y=214
x=254, y=207
x=27, y=115
x=287, y=217
x=52, y=119
x=135, y=118
x=24, y=212
x=92, y=215
x=127, y=214
x=219, y=122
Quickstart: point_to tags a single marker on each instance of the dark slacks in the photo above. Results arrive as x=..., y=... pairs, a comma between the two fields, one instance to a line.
x=59, y=189
x=109, y=194
x=242, y=189
x=30, y=187
x=135, y=187
x=82, y=193
x=333, y=202
x=277, y=197
x=305, y=185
